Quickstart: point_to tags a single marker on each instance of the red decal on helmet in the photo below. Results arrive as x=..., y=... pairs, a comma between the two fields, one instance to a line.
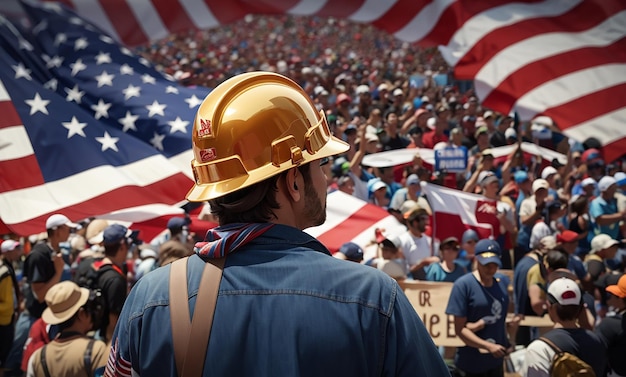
x=205, y=128
x=208, y=154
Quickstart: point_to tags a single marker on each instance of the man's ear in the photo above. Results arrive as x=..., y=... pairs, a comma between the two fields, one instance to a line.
x=293, y=185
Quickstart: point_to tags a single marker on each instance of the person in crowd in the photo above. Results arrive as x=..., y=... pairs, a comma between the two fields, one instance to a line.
x=603, y=212
x=111, y=275
x=147, y=260
x=418, y=247
x=612, y=329
x=578, y=220
x=567, y=241
x=538, y=277
x=468, y=245
x=448, y=269
x=479, y=306
x=522, y=305
x=564, y=307
x=266, y=256
x=43, y=268
x=71, y=352
x=603, y=248
x=10, y=296
x=390, y=258
x=531, y=211
x=412, y=191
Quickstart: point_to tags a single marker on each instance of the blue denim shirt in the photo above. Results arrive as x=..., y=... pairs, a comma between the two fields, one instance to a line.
x=285, y=308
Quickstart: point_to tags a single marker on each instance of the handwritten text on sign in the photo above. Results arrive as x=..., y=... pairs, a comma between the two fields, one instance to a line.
x=430, y=300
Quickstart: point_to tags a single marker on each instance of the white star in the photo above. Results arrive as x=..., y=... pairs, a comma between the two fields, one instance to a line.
x=105, y=79
x=126, y=51
x=144, y=61
x=171, y=89
x=108, y=142
x=193, y=101
x=101, y=109
x=147, y=79
x=51, y=84
x=55, y=62
x=131, y=91
x=80, y=44
x=157, y=141
x=37, y=104
x=74, y=94
x=129, y=122
x=156, y=108
x=125, y=69
x=78, y=66
x=22, y=71
x=103, y=57
x=60, y=38
x=178, y=125
x=74, y=127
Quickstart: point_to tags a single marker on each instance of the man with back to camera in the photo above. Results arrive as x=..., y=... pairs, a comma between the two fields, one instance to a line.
x=285, y=307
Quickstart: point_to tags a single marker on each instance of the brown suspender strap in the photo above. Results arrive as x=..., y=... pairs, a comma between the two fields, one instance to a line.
x=191, y=337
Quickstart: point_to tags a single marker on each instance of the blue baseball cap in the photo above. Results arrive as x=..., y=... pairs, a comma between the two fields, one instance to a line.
x=115, y=233
x=520, y=176
x=468, y=235
x=352, y=251
x=488, y=251
x=177, y=222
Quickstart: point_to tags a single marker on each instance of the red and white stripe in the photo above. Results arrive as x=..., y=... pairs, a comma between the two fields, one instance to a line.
x=350, y=219
x=561, y=58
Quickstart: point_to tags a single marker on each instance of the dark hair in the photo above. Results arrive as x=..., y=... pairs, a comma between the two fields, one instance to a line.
x=67, y=324
x=252, y=204
x=556, y=259
x=565, y=312
x=579, y=205
x=112, y=249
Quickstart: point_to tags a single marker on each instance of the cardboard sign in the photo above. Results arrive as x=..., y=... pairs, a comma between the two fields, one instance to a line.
x=430, y=300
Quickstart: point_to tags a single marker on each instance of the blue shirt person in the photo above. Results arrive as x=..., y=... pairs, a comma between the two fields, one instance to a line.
x=479, y=306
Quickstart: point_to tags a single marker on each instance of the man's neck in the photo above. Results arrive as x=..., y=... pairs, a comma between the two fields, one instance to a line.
x=566, y=324
x=416, y=232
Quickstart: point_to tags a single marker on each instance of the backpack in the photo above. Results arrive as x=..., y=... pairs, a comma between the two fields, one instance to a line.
x=565, y=364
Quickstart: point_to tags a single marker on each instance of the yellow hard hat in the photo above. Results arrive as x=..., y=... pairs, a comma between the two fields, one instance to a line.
x=251, y=127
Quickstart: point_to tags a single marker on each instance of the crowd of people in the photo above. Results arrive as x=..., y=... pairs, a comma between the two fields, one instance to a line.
x=562, y=226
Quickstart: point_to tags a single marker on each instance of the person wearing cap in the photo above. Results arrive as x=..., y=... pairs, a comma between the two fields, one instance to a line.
x=603, y=248
x=612, y=329
x=567, y=241
x=390, y=258
x=479, y=306
x=111, y=275
x=603, y=213
x=435, y=134
x=481, y=135
x=449, y=269
x=418, y=247
x=280, y=287
x=468, y=246
x=71, y=352
x=10, y=296
x=499, y=137
x=564, y=306
x=43, y=267
x=412, y=191
x=531, y=211
x=350, y=251
x=538, y=276
x=620, y=193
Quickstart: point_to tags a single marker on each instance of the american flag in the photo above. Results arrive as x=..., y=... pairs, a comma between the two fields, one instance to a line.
x=87, y=127
x=561, y=58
